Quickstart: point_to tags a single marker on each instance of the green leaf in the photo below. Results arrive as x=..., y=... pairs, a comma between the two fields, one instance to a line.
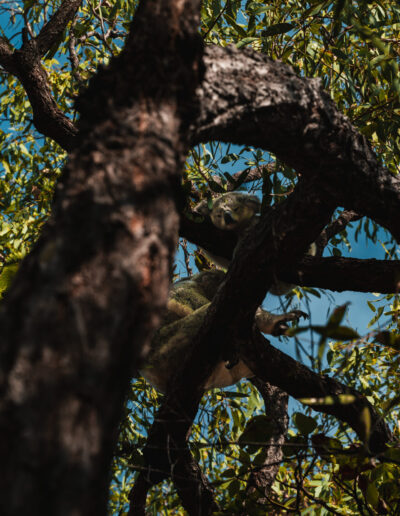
x=278, y=28
x=245, y=41
x=335, y=333
x=229, y=473
x=305, y=424
x=260, y=10
x=325, y=445
x=242, y=178
x=338, y=333
x=393, y=454
x=240, y=30
x=229, y=157
x=256, y=434
x=365, y=420
x=372, y=494
x=216, y=187
x=378, y=59
x=6, y=276
x=338, y=53
x=293, y=445
x=234, y=488
x=337, y=315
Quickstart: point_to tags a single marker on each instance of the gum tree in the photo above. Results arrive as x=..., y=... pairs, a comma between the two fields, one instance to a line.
x=78, y=317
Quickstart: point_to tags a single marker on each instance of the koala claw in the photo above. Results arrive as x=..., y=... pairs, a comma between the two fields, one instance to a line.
x=295, y=315
x=281, y=323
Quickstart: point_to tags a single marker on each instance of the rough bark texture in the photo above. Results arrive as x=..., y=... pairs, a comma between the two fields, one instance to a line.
x=247, y=98
x=85, y=302
x=276, y=407
x=25, y=64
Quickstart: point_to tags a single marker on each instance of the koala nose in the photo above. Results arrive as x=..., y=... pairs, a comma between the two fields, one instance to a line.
x=228, y=218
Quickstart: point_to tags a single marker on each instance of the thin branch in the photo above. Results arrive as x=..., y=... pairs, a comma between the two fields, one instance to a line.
x=73, y=57
x=172, y=457
x=334, y=228
x=216, y=19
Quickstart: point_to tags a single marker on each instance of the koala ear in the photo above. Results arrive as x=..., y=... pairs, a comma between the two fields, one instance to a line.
x=252, y=201
x=202, y=208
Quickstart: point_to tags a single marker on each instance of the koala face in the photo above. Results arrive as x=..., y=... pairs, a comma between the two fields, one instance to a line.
x=234, y=211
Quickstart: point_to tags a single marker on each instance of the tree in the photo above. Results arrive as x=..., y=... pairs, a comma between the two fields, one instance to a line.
x=78, y=317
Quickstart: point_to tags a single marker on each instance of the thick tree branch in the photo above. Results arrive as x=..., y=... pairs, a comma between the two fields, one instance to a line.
x=194, y=489
x=48, y=118
x=247, y=98
x=138, y=496
x=192, y=486
x=84, y=304
x=52, y=31
x=26, y=65
x=87, y=300
x=276, y=406
x=282, y=236
x=341, y=274
x=334, y=273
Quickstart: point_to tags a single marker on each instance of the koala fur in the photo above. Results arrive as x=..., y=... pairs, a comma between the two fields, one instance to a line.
x=188, y=303
x=237, y=211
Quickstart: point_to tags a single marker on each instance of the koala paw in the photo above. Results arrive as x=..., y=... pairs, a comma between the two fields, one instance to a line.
x=281, y=323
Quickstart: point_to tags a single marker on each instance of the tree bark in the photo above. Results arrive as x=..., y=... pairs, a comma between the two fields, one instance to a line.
x=247, y=98
x=333, y=273
x=25, y=63
x=78, y=318
x=276, y=407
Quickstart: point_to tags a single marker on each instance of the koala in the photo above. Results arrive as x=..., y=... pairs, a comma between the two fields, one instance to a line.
x=234, y=211
x=237, y=211
x=188, y=302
